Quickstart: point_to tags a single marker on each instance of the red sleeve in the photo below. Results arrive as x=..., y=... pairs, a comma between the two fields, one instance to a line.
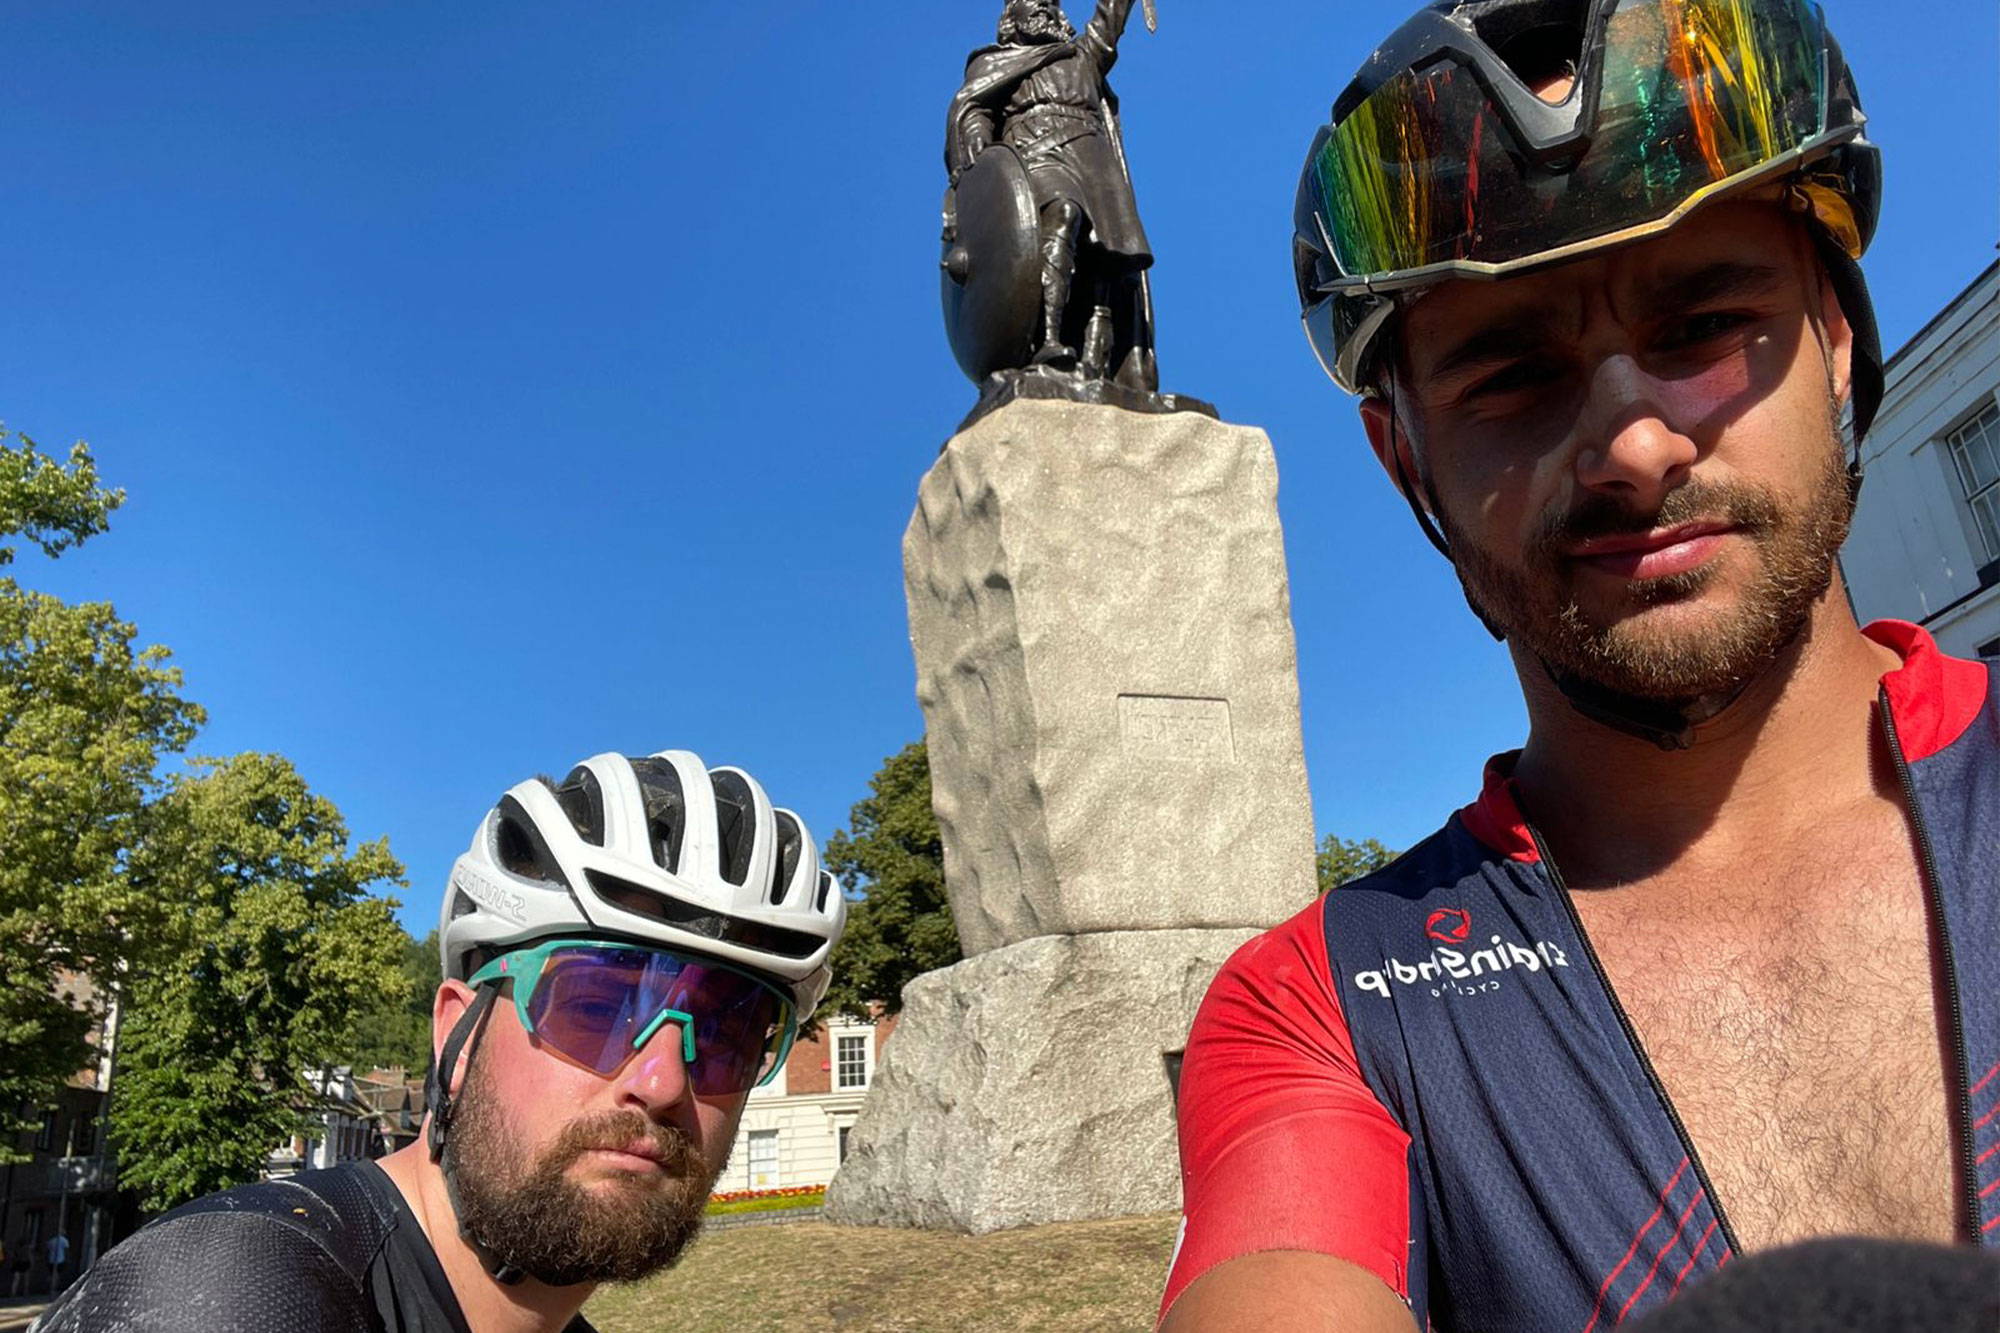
x=1283, y=1144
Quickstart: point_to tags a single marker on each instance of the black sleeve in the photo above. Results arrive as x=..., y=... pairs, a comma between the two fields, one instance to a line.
x=213, y=1272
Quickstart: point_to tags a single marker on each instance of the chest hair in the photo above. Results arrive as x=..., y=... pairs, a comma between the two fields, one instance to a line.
x=1793, y=1020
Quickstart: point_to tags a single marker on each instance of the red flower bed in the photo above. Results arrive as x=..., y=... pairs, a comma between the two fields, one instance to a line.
x=789, y=1192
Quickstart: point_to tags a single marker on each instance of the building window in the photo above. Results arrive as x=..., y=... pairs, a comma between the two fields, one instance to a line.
x=845, y=1130
x=1975, y=450
x=86, y=1136
x=850, y=1061
x=45, y=1134
x=763, y=1158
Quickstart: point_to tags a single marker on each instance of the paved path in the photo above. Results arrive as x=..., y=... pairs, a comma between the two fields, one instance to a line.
x=14, y=1315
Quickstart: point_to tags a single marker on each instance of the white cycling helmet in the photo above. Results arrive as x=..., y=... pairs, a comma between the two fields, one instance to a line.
x=660, y=850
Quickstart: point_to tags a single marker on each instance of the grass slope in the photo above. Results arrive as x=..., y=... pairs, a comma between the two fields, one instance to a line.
x=1065, y=1278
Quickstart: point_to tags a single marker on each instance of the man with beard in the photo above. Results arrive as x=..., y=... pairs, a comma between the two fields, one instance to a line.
x=1041, y=91
x=626, y=955
x=1592, y=266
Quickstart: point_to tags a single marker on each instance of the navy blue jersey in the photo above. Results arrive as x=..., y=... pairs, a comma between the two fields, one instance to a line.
x=1426, y=1074
x=334, y=1251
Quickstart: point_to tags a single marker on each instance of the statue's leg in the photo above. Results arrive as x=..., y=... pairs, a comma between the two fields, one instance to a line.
x=1098, y=334
x=1138, y=368
x=1062, y=228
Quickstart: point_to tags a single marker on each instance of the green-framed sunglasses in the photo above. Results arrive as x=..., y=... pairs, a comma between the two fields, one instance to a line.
x=594, y=1004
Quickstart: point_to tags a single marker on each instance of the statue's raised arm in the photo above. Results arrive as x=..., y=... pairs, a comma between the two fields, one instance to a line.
x=1101, y=34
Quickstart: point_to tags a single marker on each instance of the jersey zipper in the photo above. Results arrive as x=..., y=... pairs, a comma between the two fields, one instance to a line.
x=1638, y=1047
x=1934, y=889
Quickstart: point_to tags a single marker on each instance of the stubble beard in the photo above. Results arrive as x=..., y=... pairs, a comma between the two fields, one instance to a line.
x=530, y=1215
x=1534, y=602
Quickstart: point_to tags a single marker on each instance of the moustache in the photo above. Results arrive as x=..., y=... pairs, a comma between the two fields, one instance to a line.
x=622, y=1131
x=1751, y=508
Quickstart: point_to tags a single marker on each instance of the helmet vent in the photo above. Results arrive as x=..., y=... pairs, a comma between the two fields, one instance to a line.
x=581, y=797
x=462, y=904
x=515, y=851
x=666, y=810
x=786, y=862
x=696, y=920
x=1536, y=39
x=520, y=849
x=825, y=888
x=735, y=822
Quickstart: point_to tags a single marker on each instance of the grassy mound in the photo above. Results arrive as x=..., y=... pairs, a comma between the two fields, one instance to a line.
x=1071, y=1277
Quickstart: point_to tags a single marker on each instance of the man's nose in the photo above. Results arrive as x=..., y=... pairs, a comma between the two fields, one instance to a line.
x=657, y=1077
x=1632, y=443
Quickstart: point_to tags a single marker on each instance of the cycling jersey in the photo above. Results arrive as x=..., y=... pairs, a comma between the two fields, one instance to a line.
x=1426, y=1074
x=335, y=1251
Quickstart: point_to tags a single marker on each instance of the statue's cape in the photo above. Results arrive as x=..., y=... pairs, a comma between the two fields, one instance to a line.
x=990, y=71
x=1094, y=172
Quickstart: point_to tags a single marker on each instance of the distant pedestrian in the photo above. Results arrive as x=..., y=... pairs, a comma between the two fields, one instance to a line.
x=58, y=1252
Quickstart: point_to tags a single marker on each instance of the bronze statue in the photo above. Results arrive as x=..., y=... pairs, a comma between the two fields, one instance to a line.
x=1045, y=258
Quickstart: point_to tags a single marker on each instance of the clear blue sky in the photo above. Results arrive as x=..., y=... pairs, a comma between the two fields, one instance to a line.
x=498, y=384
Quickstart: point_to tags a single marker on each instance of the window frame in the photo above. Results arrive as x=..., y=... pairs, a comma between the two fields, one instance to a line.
x=1986, y=416
x=772, y=1135
x=866, y=1037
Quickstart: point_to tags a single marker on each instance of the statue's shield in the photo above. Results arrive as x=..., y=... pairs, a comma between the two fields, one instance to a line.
x=992, y=266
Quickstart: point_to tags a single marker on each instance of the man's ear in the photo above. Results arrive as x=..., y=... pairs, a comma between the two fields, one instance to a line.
x=1392, y=449
x=453, y=998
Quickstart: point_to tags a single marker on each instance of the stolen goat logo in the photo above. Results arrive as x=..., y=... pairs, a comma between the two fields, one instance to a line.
x=1449, y=925
x=1461, y=972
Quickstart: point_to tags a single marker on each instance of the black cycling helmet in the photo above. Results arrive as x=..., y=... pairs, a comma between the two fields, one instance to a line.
x=1441, y=162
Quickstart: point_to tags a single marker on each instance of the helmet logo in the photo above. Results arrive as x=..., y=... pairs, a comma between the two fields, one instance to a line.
x=1449, y=925
x=495, y=898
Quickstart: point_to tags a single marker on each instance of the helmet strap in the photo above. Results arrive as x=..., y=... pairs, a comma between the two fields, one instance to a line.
x=1408, y=489
x=470, y=1025
x=465, y=1035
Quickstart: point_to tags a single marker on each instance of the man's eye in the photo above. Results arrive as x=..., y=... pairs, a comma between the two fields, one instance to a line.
x=584, y=1001
x=1697, y=329
x=1513, y=378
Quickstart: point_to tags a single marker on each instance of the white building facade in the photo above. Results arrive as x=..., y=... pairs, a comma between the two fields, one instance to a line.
x=794, y=1129
x=1925, y=545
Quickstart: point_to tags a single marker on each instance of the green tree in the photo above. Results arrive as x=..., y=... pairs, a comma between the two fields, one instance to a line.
x=85, y=720
x=221, y=906
x=398, y=1033
x=890, y=859
x=271, y=955
x=1339, y=860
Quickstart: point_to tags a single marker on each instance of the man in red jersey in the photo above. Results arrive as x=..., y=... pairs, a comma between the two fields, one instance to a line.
x=1591, y=264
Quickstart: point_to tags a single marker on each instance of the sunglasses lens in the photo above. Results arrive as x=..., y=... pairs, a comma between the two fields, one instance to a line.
x=1688, y=93
x=737, y=1026
x=593, y=1004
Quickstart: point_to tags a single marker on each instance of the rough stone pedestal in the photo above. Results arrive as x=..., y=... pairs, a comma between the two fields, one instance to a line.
x=1029, y=1085
x=1104, y=653
x=1103, y=635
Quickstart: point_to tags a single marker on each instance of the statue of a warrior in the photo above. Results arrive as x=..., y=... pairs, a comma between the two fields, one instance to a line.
x=1045, y=257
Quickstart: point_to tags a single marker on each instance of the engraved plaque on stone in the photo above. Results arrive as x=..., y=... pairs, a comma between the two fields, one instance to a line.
x=1160, y=726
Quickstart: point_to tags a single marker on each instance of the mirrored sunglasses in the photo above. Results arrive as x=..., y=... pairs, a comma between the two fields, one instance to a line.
x=596, y=1005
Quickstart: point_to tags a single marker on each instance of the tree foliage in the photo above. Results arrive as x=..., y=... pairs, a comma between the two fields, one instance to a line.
x=53, y=504
x=396, y=1032
x=273, y=951
x=220, y=905
x=890, y=859
x=85, y=718
x=1339, y=860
